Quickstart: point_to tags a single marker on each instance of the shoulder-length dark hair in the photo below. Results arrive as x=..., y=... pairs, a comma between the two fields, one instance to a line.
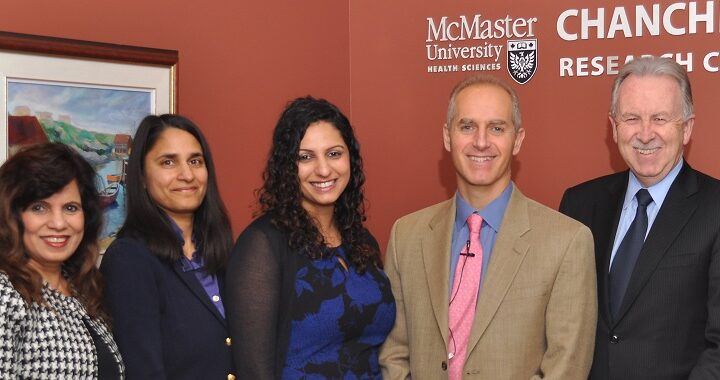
x=145, y=220
x=33, y=174
x=281, y=198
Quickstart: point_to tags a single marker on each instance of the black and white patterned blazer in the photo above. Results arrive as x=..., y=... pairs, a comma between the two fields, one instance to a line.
x=41, y=342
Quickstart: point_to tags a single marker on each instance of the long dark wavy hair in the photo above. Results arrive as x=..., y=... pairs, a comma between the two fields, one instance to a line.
x=33, y=174
x=146, y=221
x=281, y=198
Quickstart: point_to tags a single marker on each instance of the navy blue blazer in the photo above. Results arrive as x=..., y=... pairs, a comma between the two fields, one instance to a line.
x=163, y=320
x=669, y=322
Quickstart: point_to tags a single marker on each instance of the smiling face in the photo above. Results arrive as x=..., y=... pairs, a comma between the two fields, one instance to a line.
x=649, y=128
x=482, y=141
x=53, y=228
x=323, y=167
x=175, y=173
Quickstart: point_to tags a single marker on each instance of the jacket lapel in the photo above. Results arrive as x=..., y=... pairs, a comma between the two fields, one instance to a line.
x=435, y=246
x=511, y=246
x=674, y=214
x=606, y=217
x=189, y=279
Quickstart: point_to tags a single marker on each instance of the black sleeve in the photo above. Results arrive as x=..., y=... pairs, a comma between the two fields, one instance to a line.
x=253, y=286
x=577, y=207
x=574, y=207
x=565, y=203
x=132, y=298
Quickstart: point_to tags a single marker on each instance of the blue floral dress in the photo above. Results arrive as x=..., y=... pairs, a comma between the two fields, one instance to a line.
x=340, y=319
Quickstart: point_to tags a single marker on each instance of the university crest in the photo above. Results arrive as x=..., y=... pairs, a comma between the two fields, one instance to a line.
x=522, y=59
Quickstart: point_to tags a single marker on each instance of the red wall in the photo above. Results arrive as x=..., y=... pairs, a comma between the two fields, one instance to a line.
x=240, y=61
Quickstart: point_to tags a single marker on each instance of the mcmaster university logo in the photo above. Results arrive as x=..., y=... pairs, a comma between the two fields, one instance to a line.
x=522, y=59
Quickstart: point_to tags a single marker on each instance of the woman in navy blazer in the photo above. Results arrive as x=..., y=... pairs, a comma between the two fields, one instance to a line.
x=164, y=272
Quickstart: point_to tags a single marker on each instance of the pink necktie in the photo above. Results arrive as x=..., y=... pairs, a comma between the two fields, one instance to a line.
x=463, y=298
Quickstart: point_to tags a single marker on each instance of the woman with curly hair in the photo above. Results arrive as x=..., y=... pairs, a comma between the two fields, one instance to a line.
x=52, y=324
x=306, y=295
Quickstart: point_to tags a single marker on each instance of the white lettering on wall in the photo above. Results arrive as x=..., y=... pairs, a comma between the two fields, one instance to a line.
x=676, y=19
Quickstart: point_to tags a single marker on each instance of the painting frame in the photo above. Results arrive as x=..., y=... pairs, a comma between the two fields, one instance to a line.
x=44, y=58
x=44, y=87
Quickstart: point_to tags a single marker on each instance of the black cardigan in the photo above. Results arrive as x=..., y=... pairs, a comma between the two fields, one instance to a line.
x=260, y=288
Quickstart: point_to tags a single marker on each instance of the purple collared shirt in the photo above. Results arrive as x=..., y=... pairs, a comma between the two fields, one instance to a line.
x=208, y=282
x=197, y=266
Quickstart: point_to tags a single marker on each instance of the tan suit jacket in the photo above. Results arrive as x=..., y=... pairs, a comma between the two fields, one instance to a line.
x=536, y=312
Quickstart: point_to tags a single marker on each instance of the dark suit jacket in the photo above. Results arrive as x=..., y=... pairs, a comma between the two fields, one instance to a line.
x=163, y=321
x=669, y=323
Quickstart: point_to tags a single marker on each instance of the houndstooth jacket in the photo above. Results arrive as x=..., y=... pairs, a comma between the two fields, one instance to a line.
x=41, y=342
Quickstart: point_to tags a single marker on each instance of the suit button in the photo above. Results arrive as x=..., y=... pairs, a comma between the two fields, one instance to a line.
x=228, y=341
x=444, y=366
x=614, y=339
x=231, y=376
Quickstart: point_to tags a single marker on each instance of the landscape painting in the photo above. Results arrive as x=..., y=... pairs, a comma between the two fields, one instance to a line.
x=96, y=121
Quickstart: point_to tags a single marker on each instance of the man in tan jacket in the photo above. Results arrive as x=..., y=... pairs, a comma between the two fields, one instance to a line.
x=489, y=284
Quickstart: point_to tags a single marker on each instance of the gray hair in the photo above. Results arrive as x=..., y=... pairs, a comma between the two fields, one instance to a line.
x=479, y=80
x=655, y=66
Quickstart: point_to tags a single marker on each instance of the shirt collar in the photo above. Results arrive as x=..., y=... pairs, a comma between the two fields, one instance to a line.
x=658, y=191
x=197, y=262
x=492, y=214
x=176, y=230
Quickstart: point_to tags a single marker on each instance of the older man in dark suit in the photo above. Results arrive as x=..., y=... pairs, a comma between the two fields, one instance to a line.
x=657, y=236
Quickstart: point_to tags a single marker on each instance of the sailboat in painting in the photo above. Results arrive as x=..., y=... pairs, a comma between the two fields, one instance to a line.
x=109, y=193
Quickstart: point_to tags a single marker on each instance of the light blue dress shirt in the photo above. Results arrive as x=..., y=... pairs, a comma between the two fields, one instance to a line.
x=658, y=192
x=492, y=216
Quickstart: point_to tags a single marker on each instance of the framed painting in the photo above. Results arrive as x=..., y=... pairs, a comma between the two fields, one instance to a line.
x=88, y=95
